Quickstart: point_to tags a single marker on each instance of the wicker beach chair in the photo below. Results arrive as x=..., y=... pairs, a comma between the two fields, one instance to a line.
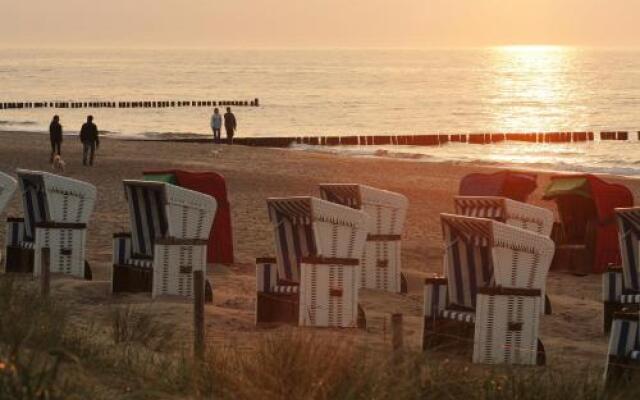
x=8, y=186
x=492, y=293
x=313, y=280
x=380, y=266
x=170, y=228
x=56, y=212
x=511, y=212
x=623, y=356
x=621, y=284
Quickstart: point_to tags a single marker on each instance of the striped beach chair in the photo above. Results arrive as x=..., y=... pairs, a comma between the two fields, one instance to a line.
x=170, y=229
x=8, y=187
x=56, y=212
x=511, y=212
x=621, y=284
x=491, y=294
x=313, y=280
x=380, y=266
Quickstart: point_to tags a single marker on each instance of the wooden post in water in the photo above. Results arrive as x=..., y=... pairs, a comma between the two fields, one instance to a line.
x=45, y=272
x=198, y=315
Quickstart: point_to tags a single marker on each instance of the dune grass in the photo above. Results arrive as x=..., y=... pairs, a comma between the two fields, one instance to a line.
x=44, y=354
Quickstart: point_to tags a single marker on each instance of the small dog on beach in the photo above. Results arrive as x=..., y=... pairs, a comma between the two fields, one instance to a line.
x=58, y=163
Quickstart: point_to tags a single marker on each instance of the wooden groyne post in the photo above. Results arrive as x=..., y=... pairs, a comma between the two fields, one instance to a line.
x=198, y=315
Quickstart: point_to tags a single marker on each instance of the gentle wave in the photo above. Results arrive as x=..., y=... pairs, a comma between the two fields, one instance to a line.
x=16, y=123
x=594, y=158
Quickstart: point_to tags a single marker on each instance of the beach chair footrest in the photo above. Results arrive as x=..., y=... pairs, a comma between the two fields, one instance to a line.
x=132, y=279
x=448, y=335
x=19, y=260
x=277, y=308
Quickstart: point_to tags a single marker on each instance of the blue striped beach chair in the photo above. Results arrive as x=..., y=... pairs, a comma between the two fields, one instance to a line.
x=313, y=280
x=621, y=284
x=623, y=357
x=170, y=229
x=381, y=264
x=56, y=212
x=490, y=296
x=511, y=212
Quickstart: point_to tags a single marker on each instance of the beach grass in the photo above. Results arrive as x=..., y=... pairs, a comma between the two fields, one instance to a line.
x=46, y=354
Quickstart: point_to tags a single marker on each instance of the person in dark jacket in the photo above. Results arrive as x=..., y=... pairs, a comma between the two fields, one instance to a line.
x=90, y=140
x=55, y=134
x=230, y=125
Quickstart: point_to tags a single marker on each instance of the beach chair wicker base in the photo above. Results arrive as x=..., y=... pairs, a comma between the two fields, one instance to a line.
x=507, y=323
x=621, y=370
x=455, y=337
x=19, y=260
x=134, y=279
x=277, y=308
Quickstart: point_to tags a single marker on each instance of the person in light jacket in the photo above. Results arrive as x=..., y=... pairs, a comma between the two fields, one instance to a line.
x=216, y=124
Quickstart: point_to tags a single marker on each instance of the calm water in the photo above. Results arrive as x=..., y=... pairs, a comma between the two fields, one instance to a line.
x=340, y=92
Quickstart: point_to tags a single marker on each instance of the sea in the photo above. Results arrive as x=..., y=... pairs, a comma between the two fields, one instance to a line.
x=328, y=92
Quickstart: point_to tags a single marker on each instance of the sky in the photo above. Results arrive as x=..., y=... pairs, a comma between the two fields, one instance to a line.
x=318, y=23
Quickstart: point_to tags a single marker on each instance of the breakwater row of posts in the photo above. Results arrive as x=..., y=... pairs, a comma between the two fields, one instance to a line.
x=128, y=104
x=435, y=139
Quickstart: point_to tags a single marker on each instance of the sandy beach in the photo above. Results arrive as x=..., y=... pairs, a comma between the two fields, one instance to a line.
x=572, y=334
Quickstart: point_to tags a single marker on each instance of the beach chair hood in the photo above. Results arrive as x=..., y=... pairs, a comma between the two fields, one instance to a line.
x=162, y=210
x=511, y=212
x=311, y=227
x=515, y=185
x=387, y=210
x=604, y=198
x=52, y=198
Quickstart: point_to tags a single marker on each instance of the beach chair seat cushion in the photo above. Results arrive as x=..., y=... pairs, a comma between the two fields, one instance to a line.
x=285, y=289
x=140, y=262
x=27, y=245
x=461, y=316
x=630, y=299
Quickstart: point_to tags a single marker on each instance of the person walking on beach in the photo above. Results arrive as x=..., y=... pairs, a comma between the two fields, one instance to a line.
x=90, y=140
x=55, y=134
x=230, y=125
x=216, y=125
